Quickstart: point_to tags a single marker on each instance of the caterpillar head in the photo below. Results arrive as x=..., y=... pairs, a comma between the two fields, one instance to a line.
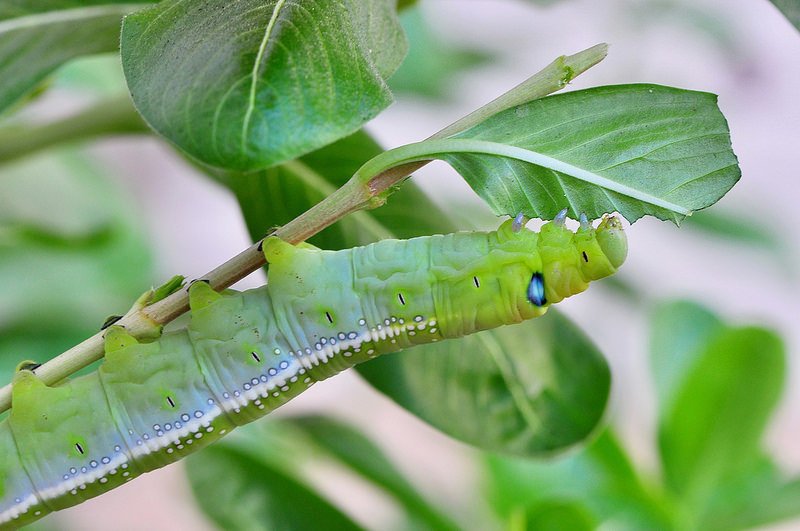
x=612, y=240
x=571, y=260
x=601, y=250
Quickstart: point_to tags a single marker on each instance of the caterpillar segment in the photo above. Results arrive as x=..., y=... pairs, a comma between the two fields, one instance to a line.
x=246, y=353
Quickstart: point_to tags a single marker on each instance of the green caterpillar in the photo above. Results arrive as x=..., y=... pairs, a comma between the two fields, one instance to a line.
x=244, y=354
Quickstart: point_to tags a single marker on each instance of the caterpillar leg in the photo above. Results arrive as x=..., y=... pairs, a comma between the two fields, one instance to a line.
x=116, y=338
x=202, y=295
x=279, y=251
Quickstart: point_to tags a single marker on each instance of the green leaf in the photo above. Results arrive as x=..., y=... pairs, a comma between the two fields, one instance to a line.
x=38, y=37
x=700, y=387
x=680, y=332
x=600, y=478
x=15, y=233
x=790, y=9
x=528, y=389
x=241, y=492
x=294, y=445
x=431, y=66
x=716, y=421
x=634, y=149
x=249, y=84
x=362, y=456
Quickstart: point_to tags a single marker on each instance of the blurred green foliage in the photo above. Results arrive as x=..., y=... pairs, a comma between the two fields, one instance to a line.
x=71, y=251
x=717, y=386
x=431, y=66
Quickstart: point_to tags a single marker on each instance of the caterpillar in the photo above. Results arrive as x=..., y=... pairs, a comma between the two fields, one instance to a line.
x=246, y=353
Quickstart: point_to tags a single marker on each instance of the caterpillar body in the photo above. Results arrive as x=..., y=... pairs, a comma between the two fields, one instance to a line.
x=246, y=353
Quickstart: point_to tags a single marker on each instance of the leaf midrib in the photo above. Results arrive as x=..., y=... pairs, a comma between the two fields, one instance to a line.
x=251, y=101
x=442, y=149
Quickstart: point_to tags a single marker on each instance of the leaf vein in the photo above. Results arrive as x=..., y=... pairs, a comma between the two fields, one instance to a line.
x=257, y=64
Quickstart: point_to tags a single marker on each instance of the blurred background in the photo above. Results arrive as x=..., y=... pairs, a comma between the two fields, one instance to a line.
x=86, y=229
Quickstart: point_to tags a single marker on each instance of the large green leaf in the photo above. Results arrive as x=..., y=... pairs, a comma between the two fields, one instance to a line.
x=361, y=455
x=246, y=85
x=790, y=9
x=671, y=144
x=243, y=493
x=527, y=389
x=635, y=149
x=680, y=331
x=38, y=37
x=714, y=426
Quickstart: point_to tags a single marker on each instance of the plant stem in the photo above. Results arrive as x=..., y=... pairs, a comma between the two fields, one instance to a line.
x=551, y=78
x=318, y=183
x=113, y=116
x=360, y=192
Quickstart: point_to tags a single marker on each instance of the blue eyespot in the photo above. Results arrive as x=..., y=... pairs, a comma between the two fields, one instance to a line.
x=536, y=290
